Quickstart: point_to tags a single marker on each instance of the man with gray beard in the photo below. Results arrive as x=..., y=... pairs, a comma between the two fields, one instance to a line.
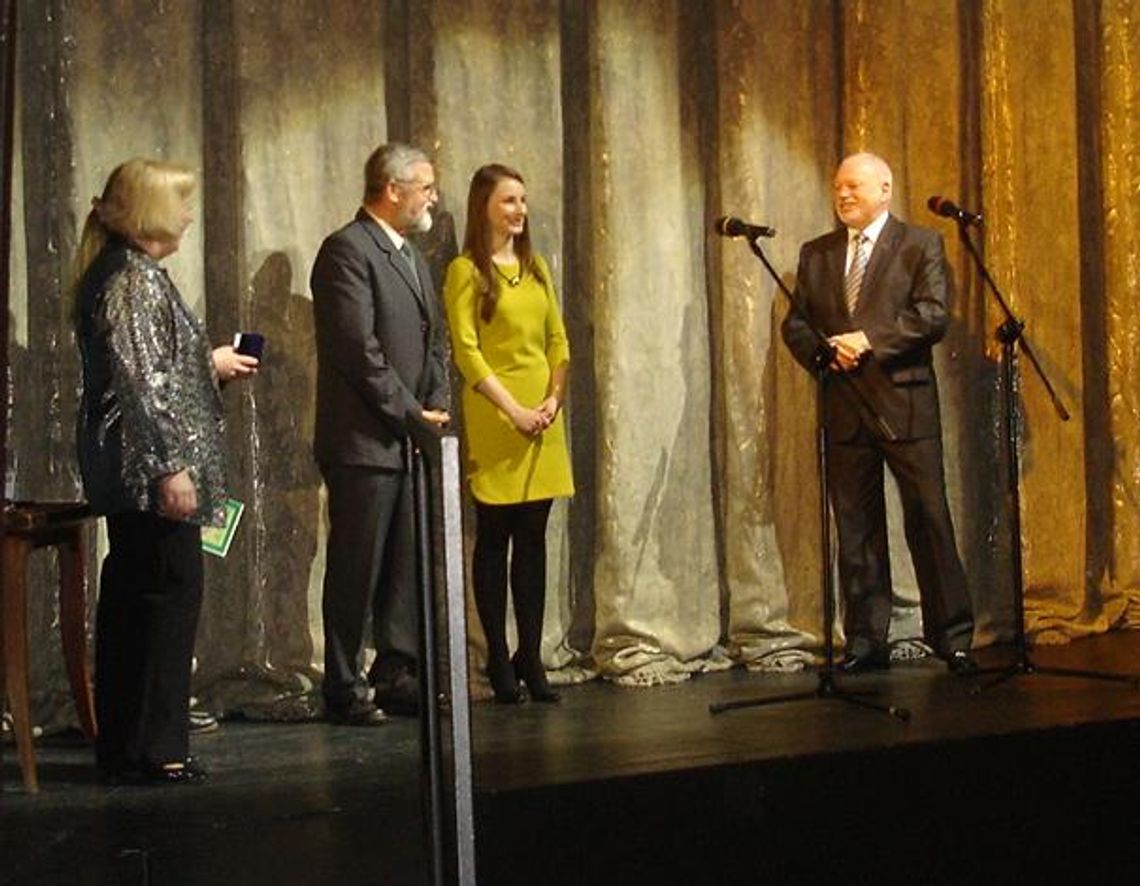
x=381, y=364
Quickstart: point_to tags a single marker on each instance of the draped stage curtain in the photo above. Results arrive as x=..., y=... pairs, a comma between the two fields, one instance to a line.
x=693, y=540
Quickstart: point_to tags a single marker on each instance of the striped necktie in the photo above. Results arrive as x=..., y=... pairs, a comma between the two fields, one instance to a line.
x=406, y=252
x=855, y=273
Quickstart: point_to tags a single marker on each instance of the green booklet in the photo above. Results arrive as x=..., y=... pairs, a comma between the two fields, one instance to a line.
x=216, y=539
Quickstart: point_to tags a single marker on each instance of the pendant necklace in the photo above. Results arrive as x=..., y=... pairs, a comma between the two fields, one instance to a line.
x=511, y=279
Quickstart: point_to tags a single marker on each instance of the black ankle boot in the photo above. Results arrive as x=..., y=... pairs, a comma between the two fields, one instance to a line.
x=504, y=681
x=533, y=674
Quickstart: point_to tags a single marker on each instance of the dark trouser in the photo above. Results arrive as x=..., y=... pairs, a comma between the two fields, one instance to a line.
x=150, y=595
x=521, y=528
x=855, y=477
x=370, y=568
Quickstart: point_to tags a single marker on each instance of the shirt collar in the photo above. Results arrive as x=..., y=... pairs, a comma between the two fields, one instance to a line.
x=872, y=231
x=395, y=236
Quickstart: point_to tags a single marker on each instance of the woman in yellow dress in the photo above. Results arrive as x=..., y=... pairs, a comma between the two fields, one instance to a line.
x=509, y=343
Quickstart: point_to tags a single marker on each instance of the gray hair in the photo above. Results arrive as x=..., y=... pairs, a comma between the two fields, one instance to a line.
x=391, y=162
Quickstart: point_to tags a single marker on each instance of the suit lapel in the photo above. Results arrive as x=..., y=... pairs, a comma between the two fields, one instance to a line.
x=392, y=255
x=880, y=257
x=836, y=266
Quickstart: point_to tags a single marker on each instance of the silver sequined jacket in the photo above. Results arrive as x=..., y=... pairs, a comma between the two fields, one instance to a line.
x=150, y=403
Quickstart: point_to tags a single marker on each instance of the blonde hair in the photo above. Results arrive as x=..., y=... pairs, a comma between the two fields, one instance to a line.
x=142, y=200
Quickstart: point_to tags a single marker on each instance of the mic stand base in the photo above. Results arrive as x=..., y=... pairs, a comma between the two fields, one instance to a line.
x=825, y=689
x=1024, y=666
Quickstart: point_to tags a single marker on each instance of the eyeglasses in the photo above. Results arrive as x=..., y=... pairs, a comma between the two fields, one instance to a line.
x=428, y=189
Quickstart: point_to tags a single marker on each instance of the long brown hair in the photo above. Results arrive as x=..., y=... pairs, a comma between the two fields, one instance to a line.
x=477, y=238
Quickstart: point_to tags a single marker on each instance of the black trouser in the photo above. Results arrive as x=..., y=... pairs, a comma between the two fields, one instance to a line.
x=370, y=569
x=855, y=474
x=150, y=594
x=521, y=530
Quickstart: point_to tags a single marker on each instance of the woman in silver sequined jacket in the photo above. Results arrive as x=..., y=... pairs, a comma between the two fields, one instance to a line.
x=151, y=456
x=151, y=406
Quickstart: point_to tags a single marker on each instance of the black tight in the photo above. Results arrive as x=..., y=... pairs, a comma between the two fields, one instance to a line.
x=521, y=529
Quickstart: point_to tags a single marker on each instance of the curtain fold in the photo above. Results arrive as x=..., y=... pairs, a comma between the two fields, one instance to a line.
x=1033, y=244
x=1120, y=136
x=655, y=576
x=772, y=150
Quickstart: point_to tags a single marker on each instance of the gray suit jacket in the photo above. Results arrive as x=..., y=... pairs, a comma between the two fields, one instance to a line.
x=904, y=309
x=380, y=347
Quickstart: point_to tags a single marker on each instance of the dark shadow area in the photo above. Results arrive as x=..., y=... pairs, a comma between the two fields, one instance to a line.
x=285, y=804
x=578, y=222
x=275, y=677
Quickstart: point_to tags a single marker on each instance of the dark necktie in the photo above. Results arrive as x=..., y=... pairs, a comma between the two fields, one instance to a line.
x=855, y=274
x=406, y=252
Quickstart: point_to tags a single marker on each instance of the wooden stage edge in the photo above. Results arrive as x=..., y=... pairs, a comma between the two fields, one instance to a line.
x=1034, y=780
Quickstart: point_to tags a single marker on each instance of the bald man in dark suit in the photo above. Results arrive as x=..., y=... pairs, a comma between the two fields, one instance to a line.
x=880, y=290
x=381, y=364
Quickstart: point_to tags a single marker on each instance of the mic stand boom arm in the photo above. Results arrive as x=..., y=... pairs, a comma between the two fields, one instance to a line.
x=1012, y=328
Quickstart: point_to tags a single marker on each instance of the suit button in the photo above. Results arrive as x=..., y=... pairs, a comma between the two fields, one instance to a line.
x=423, y=326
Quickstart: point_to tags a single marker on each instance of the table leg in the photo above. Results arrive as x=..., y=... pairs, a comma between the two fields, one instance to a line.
x=16, y=654
x=73, y=628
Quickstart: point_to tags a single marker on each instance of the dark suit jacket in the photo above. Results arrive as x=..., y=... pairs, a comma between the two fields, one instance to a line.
x=380, y=346
x=903, y=308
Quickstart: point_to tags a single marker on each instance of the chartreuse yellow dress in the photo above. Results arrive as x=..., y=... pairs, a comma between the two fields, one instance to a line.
x=524, y=340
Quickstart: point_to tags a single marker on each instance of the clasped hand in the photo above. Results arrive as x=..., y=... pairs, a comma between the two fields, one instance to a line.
x=532, y=422
x=851, y=349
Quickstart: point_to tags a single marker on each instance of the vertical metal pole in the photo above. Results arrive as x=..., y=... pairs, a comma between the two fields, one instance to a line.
x=827, y=581
x=430, y=748
x=463, y=807
x=1013, y=488
x=8, y=99
x=8, y=31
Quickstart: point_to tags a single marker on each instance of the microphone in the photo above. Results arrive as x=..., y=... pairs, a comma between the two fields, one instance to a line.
x=727, y=226
x=950, y=209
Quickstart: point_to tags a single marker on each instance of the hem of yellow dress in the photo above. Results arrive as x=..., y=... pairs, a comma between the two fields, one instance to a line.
x=518, y=501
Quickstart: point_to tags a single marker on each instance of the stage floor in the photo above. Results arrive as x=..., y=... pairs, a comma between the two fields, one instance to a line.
x=632, y=781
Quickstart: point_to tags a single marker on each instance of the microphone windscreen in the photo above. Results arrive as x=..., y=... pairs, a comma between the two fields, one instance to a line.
x=940, y=206
x=726, y=226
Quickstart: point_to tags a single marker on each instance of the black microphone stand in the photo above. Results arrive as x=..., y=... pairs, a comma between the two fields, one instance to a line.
x=1011, y=333
x=826, y=687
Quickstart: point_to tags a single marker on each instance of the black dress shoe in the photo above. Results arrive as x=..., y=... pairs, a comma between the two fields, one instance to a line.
x=358, y=713
x=156, y=774
x=861, y=662
x=961, y=663
x=399, y=695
